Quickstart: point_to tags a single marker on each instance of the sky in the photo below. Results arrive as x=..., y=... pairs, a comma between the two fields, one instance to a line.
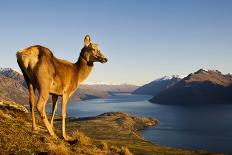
x=143, y=40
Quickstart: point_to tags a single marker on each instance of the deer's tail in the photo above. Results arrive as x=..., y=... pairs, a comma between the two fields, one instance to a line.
x=23, y=65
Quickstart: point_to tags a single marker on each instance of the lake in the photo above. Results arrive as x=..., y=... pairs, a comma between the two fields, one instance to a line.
x=207, y=127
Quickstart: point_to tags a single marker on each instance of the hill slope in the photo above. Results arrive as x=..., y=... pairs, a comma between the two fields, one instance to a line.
x=203, y=86
x=16, y=137
x=12, y=90
x=108, y=134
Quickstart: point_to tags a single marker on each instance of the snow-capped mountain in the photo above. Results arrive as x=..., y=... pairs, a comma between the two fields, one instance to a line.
x=12, y=86
x=14, y=74
x=200, y=87
x=171, y=77
x=158, y=85
x=10, y=70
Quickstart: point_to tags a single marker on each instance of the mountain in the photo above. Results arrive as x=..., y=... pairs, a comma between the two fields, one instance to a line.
x=201, y=87
x=14, y=88
x=13, y=74
x=86, y=91
x=158, y=85
x=119, y=88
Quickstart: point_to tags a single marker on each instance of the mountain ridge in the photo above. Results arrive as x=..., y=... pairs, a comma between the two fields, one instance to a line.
x=200, y=87
x=10, y=77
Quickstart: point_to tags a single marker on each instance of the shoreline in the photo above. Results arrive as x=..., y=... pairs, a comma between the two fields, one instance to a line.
x=122, y=129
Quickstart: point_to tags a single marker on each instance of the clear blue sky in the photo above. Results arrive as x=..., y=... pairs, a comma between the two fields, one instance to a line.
x=143, y=40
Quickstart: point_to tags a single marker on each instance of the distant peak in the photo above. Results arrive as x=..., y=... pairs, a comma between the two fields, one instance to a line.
x=171, y=77
x=207, y=71
x=16, y=70
x=201, y=71
x=2, y=69
x=108, y=83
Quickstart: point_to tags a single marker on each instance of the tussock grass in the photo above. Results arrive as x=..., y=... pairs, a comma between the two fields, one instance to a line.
x=121, y=151
x=125, y=151
x=103, y=146
x=81, y=138
x=60, y=149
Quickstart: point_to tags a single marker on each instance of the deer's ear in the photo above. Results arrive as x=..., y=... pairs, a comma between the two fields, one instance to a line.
x=87, y=40
x=94, y=46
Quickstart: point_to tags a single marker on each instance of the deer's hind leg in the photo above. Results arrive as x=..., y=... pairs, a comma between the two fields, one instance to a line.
x=32, y=105
x=42, y=100
x=44, y=76
x=54, y=107
x=31, y=89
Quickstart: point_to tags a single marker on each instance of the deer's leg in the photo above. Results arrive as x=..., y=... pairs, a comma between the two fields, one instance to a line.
x=42, y=100
x=32, y=105
x=54, y=107
x=64, y=109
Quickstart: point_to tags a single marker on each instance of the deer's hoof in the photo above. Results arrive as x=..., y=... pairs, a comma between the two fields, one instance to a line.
x=35, y=129
x=68, y=138
x=54, y=137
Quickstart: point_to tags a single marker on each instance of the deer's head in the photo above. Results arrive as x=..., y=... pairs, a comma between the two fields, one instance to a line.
x=91, y=52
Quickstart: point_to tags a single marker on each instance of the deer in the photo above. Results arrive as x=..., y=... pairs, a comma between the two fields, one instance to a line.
x=56, y=77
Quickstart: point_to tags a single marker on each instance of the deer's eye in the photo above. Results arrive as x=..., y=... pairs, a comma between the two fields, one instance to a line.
x=94, y=52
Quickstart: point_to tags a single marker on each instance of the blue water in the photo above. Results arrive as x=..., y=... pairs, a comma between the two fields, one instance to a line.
x=207, y=127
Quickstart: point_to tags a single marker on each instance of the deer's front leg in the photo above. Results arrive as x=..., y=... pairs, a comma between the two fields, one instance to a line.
x=64, y=110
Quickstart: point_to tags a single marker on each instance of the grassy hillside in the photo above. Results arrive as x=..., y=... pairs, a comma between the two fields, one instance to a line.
x=16, y=137
x=109, y=133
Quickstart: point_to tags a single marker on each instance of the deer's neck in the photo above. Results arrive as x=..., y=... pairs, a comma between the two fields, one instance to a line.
x=84, y=69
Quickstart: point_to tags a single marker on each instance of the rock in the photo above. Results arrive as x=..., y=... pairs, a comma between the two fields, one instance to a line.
x=13, y=106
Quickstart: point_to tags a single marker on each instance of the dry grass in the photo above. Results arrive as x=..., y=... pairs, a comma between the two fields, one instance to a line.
x=121, y=151
x=81, y=138
x=61, y=149
x=16, y=137
x=125, y=151
x=103, y=146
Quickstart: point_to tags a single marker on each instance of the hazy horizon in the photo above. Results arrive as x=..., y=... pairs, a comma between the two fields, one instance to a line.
x=143, y=40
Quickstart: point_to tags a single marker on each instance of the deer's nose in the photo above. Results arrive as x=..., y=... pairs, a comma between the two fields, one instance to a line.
x=105, y=59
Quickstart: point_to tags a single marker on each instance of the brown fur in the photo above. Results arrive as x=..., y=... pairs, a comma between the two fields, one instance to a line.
x=56, y=77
